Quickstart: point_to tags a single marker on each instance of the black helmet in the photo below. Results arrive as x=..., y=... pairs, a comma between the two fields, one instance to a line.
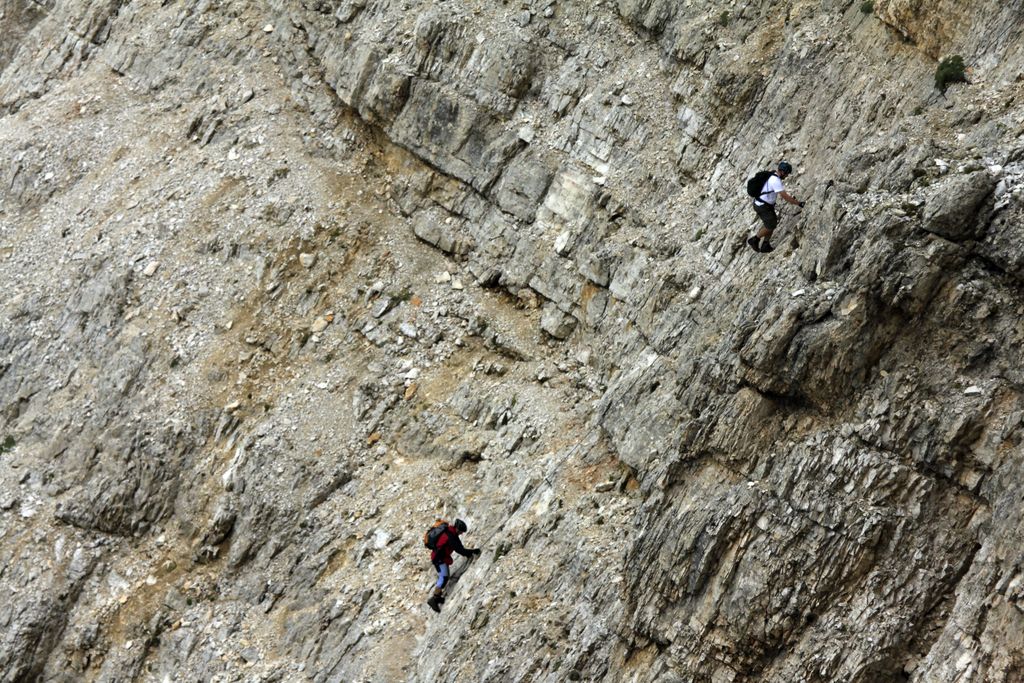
x=785, y=167
x=460, y=526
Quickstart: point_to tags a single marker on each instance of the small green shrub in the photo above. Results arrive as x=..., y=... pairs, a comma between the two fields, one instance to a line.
x=7, y=445
x=867, y=7
x=918, y=110
x=723, y=19
x=402, y=295
x=951, y=70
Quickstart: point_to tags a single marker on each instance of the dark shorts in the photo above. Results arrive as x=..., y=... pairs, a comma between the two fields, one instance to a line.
x=766, y=212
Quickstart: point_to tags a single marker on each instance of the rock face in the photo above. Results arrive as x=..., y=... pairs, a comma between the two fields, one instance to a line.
x=287, y=281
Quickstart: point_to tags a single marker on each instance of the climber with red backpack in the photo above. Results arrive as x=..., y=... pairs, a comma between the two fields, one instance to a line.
x=443, y=540
x=765, y=187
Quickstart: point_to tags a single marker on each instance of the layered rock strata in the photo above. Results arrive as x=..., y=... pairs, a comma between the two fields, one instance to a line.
x=286, y=281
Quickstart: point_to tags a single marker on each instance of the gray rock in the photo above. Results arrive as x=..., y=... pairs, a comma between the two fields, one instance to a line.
x=954, y=208
x=382, y=306
x=556, y=323
x=811, y=491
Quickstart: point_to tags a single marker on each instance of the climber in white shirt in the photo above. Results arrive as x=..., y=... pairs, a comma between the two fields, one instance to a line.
x=764, y=205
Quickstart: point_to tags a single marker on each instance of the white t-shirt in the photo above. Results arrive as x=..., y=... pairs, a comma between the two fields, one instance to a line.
x=771, y=190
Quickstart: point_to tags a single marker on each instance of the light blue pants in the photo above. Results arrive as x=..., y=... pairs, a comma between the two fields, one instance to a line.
x=442, y=575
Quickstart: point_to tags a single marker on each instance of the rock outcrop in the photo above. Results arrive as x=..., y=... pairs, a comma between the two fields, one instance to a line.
x=287, y=281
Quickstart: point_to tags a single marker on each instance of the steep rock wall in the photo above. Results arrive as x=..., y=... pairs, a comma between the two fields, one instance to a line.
x=524, y=298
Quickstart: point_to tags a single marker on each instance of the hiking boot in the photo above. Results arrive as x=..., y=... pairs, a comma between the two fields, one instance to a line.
x=753, y=243
x=767, y=247
x=436, y=600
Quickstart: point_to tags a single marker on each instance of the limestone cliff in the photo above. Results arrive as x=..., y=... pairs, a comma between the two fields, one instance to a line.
x=286, y=281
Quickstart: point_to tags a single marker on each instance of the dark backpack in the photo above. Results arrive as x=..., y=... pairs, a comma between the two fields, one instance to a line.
x=755, y=185
x=434, y=533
